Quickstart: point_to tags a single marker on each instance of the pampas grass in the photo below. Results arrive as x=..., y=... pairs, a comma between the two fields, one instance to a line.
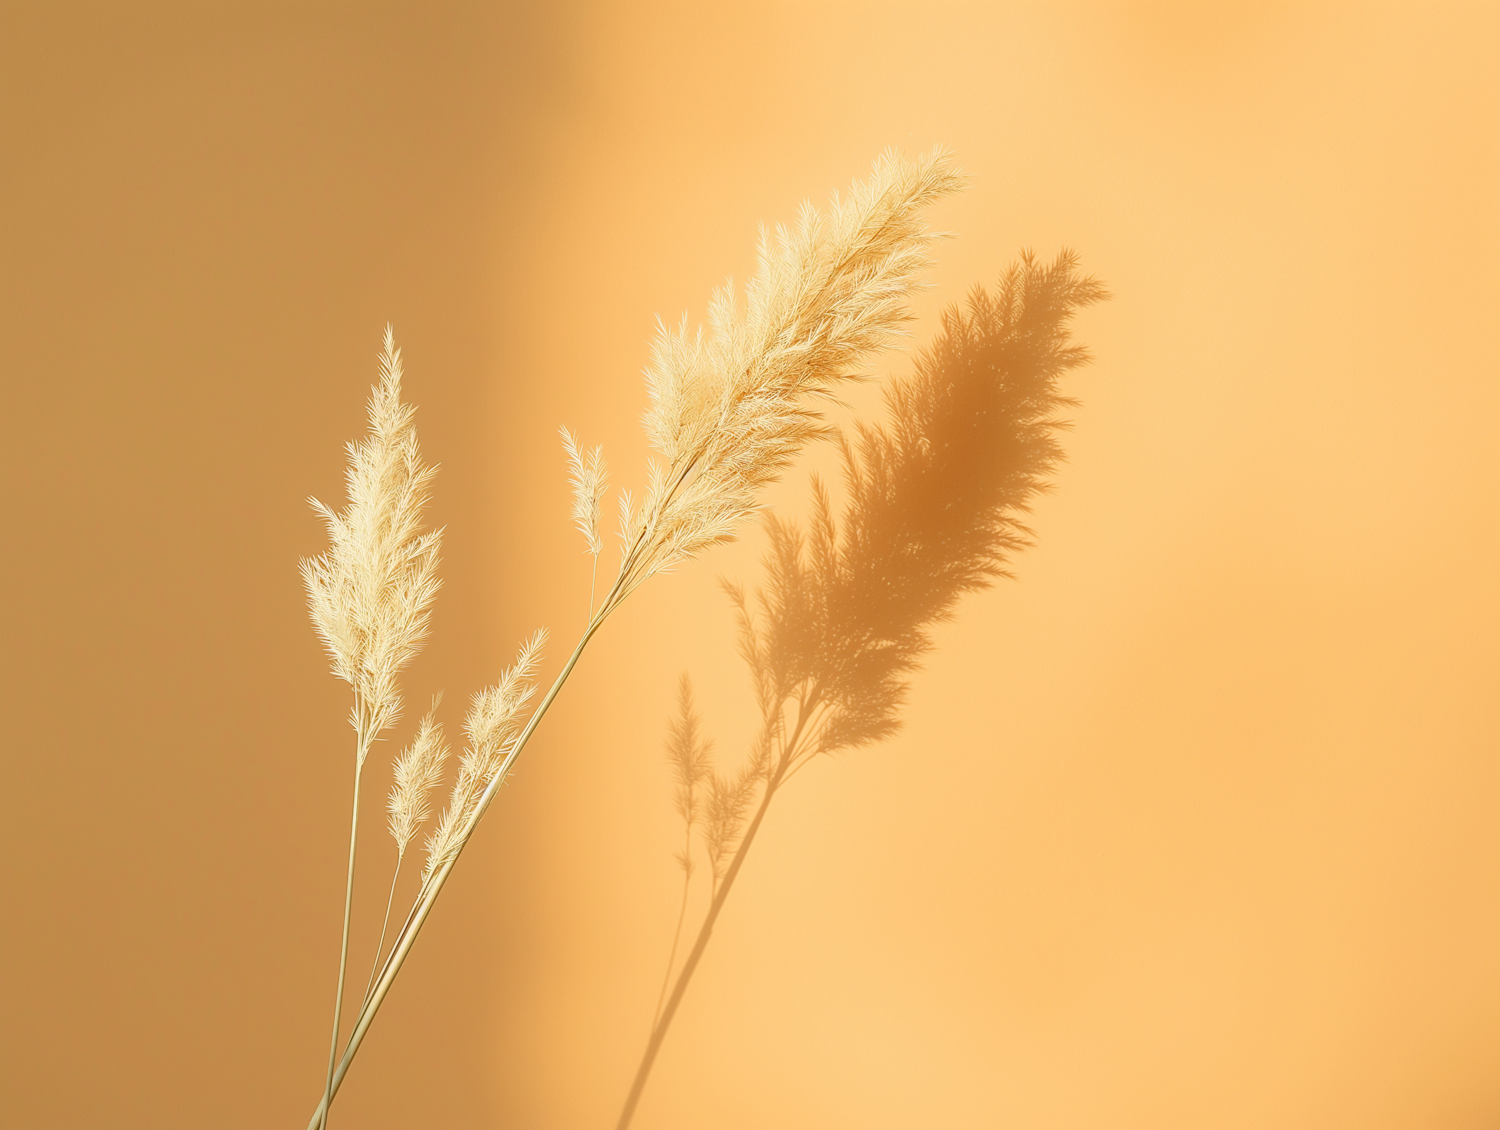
x=730, y=407
x=935, y=501
x=371, y=592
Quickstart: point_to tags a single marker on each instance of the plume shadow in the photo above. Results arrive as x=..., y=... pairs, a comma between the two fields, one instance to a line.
x=935, y=502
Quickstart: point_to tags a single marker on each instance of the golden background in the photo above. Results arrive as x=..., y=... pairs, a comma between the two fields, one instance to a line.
x=1195, y=826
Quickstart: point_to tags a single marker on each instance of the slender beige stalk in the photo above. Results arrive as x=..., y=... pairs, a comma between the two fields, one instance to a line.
x=385, y=923
x=362, y=749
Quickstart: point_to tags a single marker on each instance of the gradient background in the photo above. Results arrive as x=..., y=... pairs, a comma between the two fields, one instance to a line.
x=1194, y=826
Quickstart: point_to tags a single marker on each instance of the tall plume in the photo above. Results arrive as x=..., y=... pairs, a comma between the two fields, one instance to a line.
x=371, y=592
x=732, y=405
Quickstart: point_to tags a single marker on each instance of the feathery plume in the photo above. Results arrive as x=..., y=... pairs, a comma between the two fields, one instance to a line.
x=589, y=477
x=371, y=592
x=627, y=521
x=494, y=719
x=730, y=410
x=417, y=772
x=729, y=407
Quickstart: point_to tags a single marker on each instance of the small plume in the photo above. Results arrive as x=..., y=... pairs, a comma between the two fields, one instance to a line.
x=493, y=722
x=417, y=772
x=627, y=521
x=589, y=478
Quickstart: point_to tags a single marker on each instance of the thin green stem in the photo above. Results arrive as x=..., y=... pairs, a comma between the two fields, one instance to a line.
x=433, y=886
x=384, y=925
x=361, y=748
x=625, y=583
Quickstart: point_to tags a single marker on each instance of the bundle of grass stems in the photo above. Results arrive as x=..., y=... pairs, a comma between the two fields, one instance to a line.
x=730, y=408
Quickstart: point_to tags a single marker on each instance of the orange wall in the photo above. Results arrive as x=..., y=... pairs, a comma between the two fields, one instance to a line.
x=1193, y=826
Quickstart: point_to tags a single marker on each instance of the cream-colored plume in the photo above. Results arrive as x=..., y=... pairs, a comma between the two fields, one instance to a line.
x=494, y=721
x=589, y=477
x=729, y=407
x=417, y=772
x=371, y=592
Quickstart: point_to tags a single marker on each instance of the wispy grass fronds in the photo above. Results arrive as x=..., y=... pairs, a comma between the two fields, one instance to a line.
x=371, y=592
x=730, y=408
x=418, y=770
x=590, y=478
x=935, y=501
x=732, y=405
x=494, y=720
